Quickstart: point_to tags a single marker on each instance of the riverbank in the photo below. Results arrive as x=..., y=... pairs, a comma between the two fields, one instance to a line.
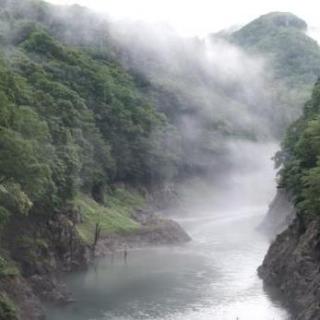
x=211, y=277
x=292, y=266
x=41, y=251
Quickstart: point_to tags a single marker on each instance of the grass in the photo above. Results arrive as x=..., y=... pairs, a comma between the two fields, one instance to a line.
x=114, y=217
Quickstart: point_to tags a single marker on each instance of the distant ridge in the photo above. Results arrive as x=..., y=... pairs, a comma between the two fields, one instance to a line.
x=281, y=36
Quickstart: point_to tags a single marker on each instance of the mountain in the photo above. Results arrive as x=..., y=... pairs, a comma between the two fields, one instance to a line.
x=96, y=120
x=81, y=146
x=291, y=56
x=292, y=262
x=282, y=38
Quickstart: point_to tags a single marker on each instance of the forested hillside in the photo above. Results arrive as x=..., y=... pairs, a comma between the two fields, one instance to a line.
x=90, y=124
x=73, y=126
x=71, y=121
x=292, y=263
x=299, y=158
x=282, y=39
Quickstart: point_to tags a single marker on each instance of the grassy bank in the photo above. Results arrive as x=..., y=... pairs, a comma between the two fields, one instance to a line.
x=112, y=217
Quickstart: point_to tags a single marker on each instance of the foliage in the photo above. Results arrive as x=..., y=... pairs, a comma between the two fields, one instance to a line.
x=292, y=60
x=74, y=121
x=299, y=157
x=295, y=57
x=112, y=218
x=7, y=309
x=71, y=119
x=4, y=215
x=7, y=269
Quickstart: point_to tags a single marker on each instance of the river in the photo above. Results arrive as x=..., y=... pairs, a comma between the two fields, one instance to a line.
x=213, y=277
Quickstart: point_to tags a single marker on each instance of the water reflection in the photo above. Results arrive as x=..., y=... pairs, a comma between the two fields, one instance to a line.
x=213, y=277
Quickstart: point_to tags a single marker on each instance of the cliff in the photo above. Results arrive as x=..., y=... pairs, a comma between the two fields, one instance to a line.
x=280, y=215
x=292, y=266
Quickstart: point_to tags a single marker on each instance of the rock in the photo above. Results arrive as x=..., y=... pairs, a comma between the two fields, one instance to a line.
x=279, y=216
x=20, y=292
x=292, y=265
x=160, y=231
x=154, y=231
x=50, y=289
x=43, y=250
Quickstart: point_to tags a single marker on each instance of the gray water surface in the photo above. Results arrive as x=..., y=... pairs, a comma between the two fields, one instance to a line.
x=213, y=277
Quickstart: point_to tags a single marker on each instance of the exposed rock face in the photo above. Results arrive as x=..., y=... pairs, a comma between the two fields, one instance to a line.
x=292, y=265
x=45, y=249
x=42, y=250
x=280, y=215
x=19, y=291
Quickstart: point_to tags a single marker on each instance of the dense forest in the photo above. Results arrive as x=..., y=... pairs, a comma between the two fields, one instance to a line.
x=71, y=121
x=299, y=158
x=73, y=125
x=295, y=59
x=88, y=128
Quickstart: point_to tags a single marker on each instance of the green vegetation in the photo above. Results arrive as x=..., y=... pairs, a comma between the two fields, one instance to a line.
x=300, y=158
x=7, y=269
x=281, y=37
x=71, y=122
x=111, y=218
x=74, y=122
x=294, y=57
x=7, y=309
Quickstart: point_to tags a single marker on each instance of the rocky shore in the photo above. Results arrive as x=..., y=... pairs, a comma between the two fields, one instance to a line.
x=280, y=215
x=292, y=266
x=155, y=230
x=50, y=249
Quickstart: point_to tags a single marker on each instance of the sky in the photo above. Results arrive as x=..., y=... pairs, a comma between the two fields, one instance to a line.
x=200, y=17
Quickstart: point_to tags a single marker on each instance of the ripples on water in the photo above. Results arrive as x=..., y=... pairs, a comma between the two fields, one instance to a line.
x=212, y=278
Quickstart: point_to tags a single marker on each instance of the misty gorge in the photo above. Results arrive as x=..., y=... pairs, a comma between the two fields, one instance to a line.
x=152, y=174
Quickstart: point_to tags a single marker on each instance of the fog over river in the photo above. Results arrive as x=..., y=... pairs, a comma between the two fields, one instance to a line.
x=213, y=277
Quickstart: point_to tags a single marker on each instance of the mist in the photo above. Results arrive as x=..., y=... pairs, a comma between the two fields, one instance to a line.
x=216, y=79
x=224, y=118
x=228, y=111
x=223, y=102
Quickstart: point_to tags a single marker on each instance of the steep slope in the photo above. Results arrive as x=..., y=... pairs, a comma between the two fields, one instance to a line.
x=282, y=38
x=81, y=146
x=293, y=58
x=90, y=125
x=292, y=262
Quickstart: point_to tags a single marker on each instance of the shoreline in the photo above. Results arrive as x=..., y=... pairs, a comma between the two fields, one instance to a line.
x=42, y=283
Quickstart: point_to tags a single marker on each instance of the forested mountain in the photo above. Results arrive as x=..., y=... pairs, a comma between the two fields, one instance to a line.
x=272, y=66
x=294, y=255
x=283, y=41
x=73, y=126
x=79, y=120
x=299, y=156
x=93, y=116
x=282, y=38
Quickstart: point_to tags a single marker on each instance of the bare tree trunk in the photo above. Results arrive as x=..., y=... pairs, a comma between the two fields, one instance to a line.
x=96, y=235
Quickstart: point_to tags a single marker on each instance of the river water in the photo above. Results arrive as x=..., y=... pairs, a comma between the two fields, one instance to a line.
x=213, y=277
